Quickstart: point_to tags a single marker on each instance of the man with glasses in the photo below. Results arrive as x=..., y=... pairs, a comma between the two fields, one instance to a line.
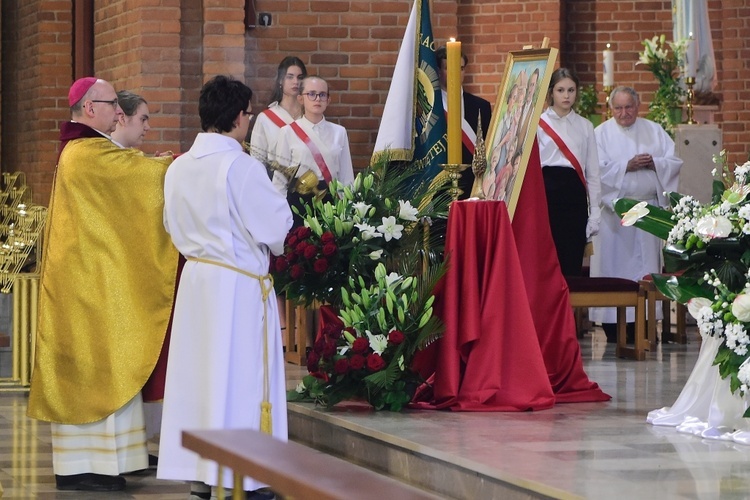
x=636, y=160
x=106, y=292
x=473, y=108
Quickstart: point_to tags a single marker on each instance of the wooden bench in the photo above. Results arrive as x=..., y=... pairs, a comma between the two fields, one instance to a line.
x=294, y=470
x=614, y=292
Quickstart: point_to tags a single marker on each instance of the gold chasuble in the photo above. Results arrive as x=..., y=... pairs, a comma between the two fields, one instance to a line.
x=107, y=282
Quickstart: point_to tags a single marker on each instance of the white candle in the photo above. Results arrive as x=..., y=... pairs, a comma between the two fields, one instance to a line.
x=691, y=57
x=609, y=67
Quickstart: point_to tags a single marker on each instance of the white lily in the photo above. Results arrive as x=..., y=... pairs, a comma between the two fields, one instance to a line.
x=368, y=232
x=378, y=343
x=390, y=229
x=361, y=208
x=406, y=211
x=376, y=254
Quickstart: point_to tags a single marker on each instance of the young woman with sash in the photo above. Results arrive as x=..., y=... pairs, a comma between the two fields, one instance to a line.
x=570, y=167
x=283, y=110
x=313, y=143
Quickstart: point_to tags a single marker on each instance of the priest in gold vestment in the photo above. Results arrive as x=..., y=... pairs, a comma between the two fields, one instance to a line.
x=106, y=292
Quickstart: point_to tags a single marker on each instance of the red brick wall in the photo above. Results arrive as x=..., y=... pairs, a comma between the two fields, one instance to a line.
x=165, y=50
x=37, y=62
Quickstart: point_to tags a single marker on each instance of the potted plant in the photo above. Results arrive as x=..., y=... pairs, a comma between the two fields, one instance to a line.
x=664, y=60
x=587, y=104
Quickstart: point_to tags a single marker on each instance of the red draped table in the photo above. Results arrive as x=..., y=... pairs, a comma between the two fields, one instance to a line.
x=510, y=341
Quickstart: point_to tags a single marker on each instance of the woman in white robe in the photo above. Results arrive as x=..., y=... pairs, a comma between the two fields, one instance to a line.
x=283, y=110
x=226, y=218
x=637, y=160
x=312, y=142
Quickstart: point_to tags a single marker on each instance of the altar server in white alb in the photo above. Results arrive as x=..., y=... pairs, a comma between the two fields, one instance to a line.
x=226, y=366
x=314, y=143
x=637, y=160
x=570, y=166
x=285, y=107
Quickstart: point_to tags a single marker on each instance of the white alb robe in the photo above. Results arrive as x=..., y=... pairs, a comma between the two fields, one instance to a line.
x=266, y=132
x=221, y=206
x=333, y=143
x=629, y=252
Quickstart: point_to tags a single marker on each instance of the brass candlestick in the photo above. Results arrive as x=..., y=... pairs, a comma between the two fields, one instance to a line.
x=454, y=174
x=690, y=81
x=608, y=111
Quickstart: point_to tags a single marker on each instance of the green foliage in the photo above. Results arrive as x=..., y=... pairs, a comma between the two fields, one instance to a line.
x=587, y=102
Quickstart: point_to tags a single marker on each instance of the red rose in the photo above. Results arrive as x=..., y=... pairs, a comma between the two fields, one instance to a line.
x=303, y=232
x=357, y=361
x=327, y=237
x=395, y=337
x=375, y=362
x=341, y=366
x=280, y=264
x=296, y=271
x=360, y=345
x=291, y=258
x=300, y=248
x=329, y=249
x=312, y=361
x=310, y=252
x=320, y=266
x=292, y=240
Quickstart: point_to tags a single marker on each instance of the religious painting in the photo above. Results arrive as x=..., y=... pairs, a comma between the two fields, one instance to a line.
x=515, y=118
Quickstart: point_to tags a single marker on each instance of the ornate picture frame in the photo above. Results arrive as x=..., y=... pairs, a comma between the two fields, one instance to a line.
x=515, y=118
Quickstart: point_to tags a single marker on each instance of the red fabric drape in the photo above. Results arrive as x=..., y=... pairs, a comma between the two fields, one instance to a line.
x=510, y=341
x=489, y=358
x=548, y=292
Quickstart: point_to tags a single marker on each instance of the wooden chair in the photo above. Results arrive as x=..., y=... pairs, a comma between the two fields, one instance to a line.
x=295, y=335
x=652, y=296
x=614, y=292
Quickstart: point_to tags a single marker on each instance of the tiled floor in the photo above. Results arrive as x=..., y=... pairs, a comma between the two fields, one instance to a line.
x=592, y=450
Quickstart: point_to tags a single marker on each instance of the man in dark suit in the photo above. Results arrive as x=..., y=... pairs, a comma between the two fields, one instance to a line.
x=473, y=108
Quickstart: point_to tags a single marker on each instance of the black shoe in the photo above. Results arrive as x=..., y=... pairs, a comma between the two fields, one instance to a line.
x=260, y=494
x=153, y=460
x=90, y=482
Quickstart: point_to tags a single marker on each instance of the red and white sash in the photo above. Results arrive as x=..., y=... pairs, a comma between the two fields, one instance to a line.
x=274, y=117
x=564, y=149
x=316, y=154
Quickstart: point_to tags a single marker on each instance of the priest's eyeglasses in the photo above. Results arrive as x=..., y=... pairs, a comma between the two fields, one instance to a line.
x=112, y=103
x=314, y=96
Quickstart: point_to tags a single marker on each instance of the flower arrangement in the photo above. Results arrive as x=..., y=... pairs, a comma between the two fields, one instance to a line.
x=369, y=253
x=368, y=223
x=664, y=60
x=710, y=245
x=367, y=355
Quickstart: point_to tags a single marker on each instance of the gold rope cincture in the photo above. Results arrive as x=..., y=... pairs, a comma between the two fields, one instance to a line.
x=266, y=424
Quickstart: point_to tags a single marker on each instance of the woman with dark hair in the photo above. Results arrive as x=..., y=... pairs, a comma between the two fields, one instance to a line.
x=284, y=108
x=570, y=166
x=226, y=366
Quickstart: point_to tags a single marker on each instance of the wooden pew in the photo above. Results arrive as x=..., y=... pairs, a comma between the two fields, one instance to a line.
x=294, y=470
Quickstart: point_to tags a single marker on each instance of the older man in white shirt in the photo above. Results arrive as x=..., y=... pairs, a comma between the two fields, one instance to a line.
x=637, y=160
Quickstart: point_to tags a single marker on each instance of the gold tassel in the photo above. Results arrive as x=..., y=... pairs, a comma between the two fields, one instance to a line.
x=266, y=426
